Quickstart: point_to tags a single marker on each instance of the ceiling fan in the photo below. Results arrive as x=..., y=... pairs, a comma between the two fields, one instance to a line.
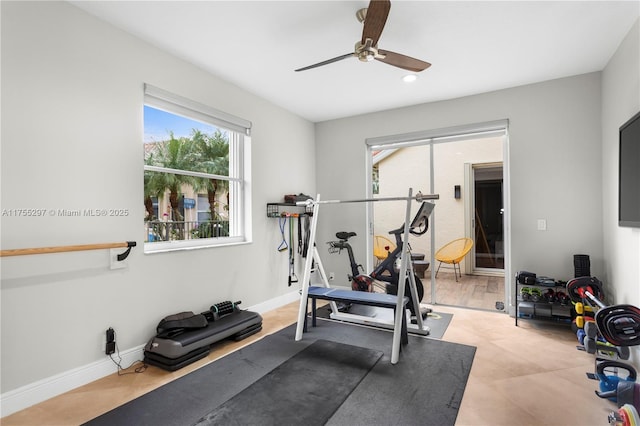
x=374, y=18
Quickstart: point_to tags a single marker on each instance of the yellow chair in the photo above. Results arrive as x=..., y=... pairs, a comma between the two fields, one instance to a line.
x=452, y=253
x=381, y=247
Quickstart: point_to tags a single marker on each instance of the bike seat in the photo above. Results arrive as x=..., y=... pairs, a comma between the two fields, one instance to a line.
x=345, y=235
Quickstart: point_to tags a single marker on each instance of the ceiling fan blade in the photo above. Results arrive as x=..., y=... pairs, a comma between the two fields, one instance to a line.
x=328, y=61
x=403, y=61
x=375, y=19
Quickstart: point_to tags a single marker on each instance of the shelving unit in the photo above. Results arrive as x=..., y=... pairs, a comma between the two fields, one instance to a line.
x=280, y=209
x=542, y=309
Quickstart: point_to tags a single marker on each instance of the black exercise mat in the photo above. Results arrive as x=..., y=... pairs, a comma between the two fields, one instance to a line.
x=424, y=387
x=306, y=389
x=436, y=321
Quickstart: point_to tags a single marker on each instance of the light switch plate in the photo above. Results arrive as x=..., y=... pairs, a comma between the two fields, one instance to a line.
x=542, y=225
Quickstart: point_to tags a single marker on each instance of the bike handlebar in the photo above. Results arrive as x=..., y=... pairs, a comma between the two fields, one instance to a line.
x=400, y=230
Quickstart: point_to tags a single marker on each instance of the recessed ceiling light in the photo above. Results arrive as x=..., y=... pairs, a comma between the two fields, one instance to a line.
x=409, y=78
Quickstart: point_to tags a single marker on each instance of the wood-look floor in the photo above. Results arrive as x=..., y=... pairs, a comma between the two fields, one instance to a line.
x=469, y=291
x=526, y=375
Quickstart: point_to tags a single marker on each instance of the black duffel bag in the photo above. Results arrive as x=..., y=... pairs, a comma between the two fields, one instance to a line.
x=178, y=323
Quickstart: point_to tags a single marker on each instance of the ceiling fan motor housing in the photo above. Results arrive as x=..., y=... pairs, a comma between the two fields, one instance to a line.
x=367, y=52
x=374, y=18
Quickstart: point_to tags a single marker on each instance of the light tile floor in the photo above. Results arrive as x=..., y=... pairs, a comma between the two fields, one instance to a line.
x=526, y=375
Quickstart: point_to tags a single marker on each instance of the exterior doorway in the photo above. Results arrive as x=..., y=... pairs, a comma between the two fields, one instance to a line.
x=488, y=218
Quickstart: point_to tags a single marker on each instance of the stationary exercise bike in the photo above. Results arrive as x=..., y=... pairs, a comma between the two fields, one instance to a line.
x=386, y=272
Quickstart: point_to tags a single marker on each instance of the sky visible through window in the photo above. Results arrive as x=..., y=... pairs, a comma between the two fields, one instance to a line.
x=158, y=124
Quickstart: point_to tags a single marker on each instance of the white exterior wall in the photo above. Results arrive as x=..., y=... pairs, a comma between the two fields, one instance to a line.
x=409, y=167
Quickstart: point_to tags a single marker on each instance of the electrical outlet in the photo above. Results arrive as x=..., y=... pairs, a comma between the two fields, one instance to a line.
x=110, y=347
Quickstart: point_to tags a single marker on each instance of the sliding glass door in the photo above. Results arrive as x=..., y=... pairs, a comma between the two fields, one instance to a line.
x=440, y=164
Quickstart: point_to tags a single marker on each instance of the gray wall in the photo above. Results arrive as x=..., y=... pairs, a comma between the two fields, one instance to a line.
x=620, y=102
x=555, y=150
x=72, y=93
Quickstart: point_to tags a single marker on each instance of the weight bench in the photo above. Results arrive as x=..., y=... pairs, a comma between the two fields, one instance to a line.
x=380, y=300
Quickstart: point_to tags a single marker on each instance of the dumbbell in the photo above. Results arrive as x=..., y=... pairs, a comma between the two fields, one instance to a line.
x=582, y=309
x=581, y=321
x=536, y=294
x=580, y=334
x=561, y=298
x=589, y=330
x=222, y=309
x=584, y=315
x=588, y=337
x=531, y=293
x=549, y=296
x=592, y=346
x=618, y=324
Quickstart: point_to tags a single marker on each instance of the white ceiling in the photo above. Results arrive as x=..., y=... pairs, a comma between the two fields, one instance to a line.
x=474, y=46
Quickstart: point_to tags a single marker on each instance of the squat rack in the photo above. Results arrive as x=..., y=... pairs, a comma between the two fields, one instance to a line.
x=404, y=267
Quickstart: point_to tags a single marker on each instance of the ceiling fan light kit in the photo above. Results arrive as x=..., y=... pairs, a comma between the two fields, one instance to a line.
x=366, y=50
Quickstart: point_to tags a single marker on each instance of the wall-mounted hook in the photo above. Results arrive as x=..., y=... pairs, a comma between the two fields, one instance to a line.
x=125, y=254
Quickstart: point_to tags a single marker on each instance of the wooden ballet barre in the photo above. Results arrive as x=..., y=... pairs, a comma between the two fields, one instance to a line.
x=81, y=247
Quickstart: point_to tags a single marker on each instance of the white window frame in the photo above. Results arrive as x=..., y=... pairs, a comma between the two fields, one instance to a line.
x=239, y=168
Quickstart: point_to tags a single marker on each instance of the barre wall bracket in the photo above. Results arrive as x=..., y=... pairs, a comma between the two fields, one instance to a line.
x=125, y=254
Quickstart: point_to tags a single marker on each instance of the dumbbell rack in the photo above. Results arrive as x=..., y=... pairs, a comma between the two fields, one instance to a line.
x=541, y=309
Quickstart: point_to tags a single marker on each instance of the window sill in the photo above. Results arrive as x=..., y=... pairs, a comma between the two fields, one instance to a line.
x=165, y=247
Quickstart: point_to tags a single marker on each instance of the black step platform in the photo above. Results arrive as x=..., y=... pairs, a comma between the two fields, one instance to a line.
x=185, y=348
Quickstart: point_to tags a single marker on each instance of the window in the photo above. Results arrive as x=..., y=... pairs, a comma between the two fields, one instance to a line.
x=196, y=174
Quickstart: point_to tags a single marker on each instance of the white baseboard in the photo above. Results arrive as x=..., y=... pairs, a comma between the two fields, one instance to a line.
x=34, y=393
x=275, y=303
